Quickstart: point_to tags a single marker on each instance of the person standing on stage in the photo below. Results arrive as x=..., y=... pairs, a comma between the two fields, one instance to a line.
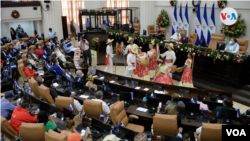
x=131, y=44
x=152, y=54
x=131, y=61
x=186, y=79
x=84, y=46
x=72, y=30
x=141, y=70
x=162, y=74
x=109, y=56
x=170, y=56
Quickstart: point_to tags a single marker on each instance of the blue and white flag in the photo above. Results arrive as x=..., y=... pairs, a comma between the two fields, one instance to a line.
x=69, y=44
x=29, y=90
x=44, y=56
x=32, y=41
x=186, y=21
x=79, y=79
x=67, y=75
x=15, y=82
x=9, y=40
x=152, y=95
x=193, y=100
x=198, y=26
x=180, y=20
x=132, y=95
x=89, y=88
x=102, y=117
x=57, y=42
x=104, y=86
x=49, y=46
x=13, y=66
x=14, y=50
x=48, y=66
x=10, y=55
x=45, y=51
x=1, y=42
x=41, y=36
x=45, y=62
x=204, y=27
x=174, y=23
x=121, y=124
x=211, y=25
x=54, y=44
x=179, y=135
x=71, y=107
x=238, y=113
x=7, y=60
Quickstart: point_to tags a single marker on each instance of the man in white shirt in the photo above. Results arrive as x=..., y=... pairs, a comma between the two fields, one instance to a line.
x=131, y=61
x=19, y=44
x=233, y=46
x=51, y=34
x=59, y=53
x=131, y=44
x=77, y=104
x=84, y=46
x=212, y=119
x=105, y=107
x=176, y=36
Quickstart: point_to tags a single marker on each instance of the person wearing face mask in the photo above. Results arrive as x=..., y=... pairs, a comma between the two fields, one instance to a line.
x=39, y=51
x=32, y=54
x=58, y=70
x=7, y=106
x=67, y=49
x=131, y=28
x=12, y=50
x=32, y=41
x=40, y=80
x=29, y=72
x=233, y=46
x=20, y=31
x=26, y=60
x=19, y=44
x=79, y=78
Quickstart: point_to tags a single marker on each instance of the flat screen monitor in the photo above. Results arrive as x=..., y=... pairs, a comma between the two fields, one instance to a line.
x=44, y=106
x=97, y=124
x=220, y=46
x=125, y=96
x=172, y=138
x=184, y=40
x=192, y=107
x=228, y=114
x=67, y=113
x=202, y=43
x=144, y=32
x=153, y=102
x=79, y=85
x=126, y=133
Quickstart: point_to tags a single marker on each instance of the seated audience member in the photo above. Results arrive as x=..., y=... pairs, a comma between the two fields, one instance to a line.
x=21, y=115
x=25, y=35
x=10, y=49
x=3, y=54
x=6, y=105
x=52, y=88
x=175, y=101
x=62, y=64
x=79, y=76
x=39, y=51
x=176, y=36
x=212, y=119
x=200, y=98
x=104, y=26
x=67, y=50
x=99, y=97
x=227, y=104
x=56, y=67
x=13, y=34
x=29, y=72
x=55, y=40
x=35, y=34
x=233, y=46
x=50, y=124
x=158, y=34
x=90, y=82
x=26, y=60
x=62, y=57
x=77, y=104
x=32, y=41
x=20, y=31
x=51, y=33
x=40, y=80
x=32, y=54
x=171, y=110
x=4, y=41
x=131, y=28
x=70, y=132
x=19, y=44
x=31, y=60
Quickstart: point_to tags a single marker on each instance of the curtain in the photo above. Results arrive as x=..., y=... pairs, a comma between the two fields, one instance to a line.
x=70, y=8
x=119, y=4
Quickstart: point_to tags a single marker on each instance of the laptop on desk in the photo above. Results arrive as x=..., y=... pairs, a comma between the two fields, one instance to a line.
x=96, y=128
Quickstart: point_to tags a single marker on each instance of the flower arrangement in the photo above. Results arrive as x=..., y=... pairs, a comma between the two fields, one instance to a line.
x=163, y=19
x=15, y=14
x=95, y=43
x=222, y=4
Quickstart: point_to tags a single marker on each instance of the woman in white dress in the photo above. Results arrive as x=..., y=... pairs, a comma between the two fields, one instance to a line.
x=109, y=57
x=170, y=56
x=131, y=61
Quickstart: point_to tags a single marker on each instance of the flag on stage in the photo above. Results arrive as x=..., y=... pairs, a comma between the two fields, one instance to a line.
x=211, y=25
x=186, y=21
x=174, y=23
x=71, y=106
x=180, y=20
x=198, y=26
x=204, y=25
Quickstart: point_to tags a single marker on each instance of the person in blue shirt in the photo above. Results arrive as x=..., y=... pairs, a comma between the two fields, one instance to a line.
x=107, y=21
x=20, y=31
x=59, y=71
x=67, y=50
x=51, y=33
x=88, y=24
x=7, y=106
x=79, y=75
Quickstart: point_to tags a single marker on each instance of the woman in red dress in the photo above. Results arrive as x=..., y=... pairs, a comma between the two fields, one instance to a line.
x=39, y=51
x=152, y=54
x=162, y=74
x=186, y=79
x=141, y=71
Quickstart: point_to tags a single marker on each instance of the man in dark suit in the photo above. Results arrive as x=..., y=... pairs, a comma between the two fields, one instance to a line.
x=52, y=89
x=79, y=75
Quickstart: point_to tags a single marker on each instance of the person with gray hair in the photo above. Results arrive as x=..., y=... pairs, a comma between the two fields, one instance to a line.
x=79, y=76
x=19, y=44
x=40, y=80
x=176, y=36
x=99, y=97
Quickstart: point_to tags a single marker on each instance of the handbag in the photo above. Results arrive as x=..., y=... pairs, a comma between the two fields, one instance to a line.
x=78, y=120
x=88, y=135
x=140, y=137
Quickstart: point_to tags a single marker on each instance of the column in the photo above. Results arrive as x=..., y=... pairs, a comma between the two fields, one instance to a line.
x=8, y=29
x=146, y=14
x=38, y=27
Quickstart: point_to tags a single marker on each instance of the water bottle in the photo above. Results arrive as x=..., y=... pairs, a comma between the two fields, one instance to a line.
x=201, y=113
x=68, y=85
x=126, y=82
x=89, y=89
x=132, y=82
x=91, y=72
x=217, y=115
x=112, y=94
x=104, y=87
x=112, y=129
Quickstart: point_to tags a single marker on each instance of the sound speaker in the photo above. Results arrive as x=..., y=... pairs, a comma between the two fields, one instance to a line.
x=47, y=1
x=35, y=8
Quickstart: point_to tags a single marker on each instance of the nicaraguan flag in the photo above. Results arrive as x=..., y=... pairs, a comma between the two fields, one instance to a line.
x=180, y=20
x=12, y=66
x=1, y=42
x=186, y=21
x=45, y=51
x=57, y=42
x=174, y=23
x=45, y=62
x=104, y=86
x=49, y=46
x=193, y=100
x=198, y=26
x=152, y=95
x=79, y=79
x=71, y=106
x=102, y=117
x=41, y=36
x=14, y=50
x=69, y=44
x=10, y=55
x=15, y=82
x=24, y=44
x=204, y=25
x=179, y=135
x=44, y=56
x=48, y=66
x=29, y=90
x=121, y=124
x=211, y=25
x=9, y=40
x=67, y=75
x=238, y=113
x=132, y=95
x=89, y=88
